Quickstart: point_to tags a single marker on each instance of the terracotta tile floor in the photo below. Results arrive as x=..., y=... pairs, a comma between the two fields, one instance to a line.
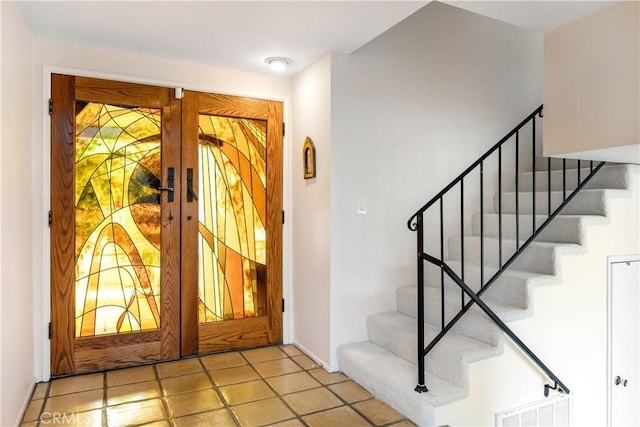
x=278, y=386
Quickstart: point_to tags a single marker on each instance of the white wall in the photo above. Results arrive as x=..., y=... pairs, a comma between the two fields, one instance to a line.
x=60, y=57
x=410, y=111
x=573, y=316
x=16, y=220
x=592, y=86
x=311, y=227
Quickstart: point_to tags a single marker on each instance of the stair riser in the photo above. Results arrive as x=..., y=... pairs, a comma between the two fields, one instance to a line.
x=535, y=259
x=525, y=180
x=585, y=203
x=473, y=324
x=564, y=229
x=556, y=164
x=507, y=289
x=608, y=177
x=403, y=342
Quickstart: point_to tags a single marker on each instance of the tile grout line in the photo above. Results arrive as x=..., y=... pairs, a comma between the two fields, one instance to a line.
x=44, y=402
x=105, y=391
x=165, y=403
x=280, y=396
x=219, y=393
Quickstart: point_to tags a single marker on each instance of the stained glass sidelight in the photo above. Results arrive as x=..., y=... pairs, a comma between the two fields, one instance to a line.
x=232, y=218
x=117, y=219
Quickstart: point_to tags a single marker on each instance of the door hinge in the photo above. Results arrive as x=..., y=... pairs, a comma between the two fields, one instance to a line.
x=283, y=305
x=50, y=219
x=50, y=331
x=50, y=107
x=283, y=217
x=283, y=130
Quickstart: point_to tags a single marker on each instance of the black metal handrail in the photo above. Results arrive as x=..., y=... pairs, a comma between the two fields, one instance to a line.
x=416, y=223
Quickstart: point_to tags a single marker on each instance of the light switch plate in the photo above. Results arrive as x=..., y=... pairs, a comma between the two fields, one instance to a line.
x=362, y=207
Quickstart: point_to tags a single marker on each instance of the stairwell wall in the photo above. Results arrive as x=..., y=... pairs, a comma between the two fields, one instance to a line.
x=410, y=110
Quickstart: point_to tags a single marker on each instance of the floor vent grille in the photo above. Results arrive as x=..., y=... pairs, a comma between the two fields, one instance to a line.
x=552, y=412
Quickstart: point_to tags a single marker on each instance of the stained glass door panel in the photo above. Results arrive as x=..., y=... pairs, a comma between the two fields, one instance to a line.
x=232, y=216
x=234, y=147
x=114, y=301
x=117, y=226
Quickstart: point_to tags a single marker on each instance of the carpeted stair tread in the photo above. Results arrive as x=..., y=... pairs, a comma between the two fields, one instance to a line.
x=563, y=229
x=609, y=176
x=397, y=333
x=392, y=378
x=586, y=202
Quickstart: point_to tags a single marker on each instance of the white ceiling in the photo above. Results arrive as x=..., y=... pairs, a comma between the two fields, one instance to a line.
x=241, y=34
x=539, y=16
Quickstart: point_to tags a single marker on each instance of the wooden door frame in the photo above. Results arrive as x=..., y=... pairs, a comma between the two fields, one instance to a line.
x=42, y=296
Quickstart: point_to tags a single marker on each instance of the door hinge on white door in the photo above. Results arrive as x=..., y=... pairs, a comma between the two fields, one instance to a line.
x=283, y=217
x=283, y=305
x=283, y=128
x=50, y=331
x=50, y=106
x=50, y=220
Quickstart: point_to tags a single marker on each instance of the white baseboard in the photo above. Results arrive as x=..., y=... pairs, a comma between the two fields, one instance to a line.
x=25, y=403
x=313, y=356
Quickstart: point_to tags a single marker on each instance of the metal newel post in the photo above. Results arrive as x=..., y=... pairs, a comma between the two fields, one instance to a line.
x=421, y=387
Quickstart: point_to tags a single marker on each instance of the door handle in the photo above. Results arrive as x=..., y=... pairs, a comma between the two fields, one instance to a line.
x=618, y=381
x=169, y=187
x=191, y=195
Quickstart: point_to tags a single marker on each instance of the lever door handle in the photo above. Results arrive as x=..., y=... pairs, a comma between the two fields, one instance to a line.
x=617, y=381
x=169, y=187
x=191, y=195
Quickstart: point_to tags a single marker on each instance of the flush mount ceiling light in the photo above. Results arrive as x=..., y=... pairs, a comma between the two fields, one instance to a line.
x=278, y=63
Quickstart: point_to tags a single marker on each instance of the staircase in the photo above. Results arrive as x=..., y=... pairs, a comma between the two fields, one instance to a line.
x=388, y=363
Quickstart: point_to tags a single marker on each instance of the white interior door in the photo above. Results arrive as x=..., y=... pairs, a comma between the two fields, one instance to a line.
x=624, y=328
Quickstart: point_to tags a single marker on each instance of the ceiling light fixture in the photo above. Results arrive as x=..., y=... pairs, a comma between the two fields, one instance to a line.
x=278, y=63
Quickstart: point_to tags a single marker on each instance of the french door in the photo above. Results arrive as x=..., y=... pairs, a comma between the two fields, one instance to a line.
x=231, y=238
x=165, y=227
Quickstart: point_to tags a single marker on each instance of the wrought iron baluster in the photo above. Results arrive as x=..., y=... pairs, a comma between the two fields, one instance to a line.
x=441, y=270
x=421, y=387
x=462, y=237
x=517, y=192
x=500, y=206
x=549, y=187
x=564, y=179
x=579, y=164
x=481, y=225
x=533, y=172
